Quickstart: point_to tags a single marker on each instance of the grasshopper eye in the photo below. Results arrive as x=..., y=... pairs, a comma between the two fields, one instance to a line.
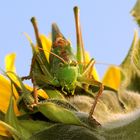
x=60, y=64
x=73, y=63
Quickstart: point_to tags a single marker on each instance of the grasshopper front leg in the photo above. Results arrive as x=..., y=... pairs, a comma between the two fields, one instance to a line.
x=34, y=87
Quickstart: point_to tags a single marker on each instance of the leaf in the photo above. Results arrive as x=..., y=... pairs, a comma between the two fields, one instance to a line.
x=66, y=132
x=11, y=119
x=58, y=113
x=63, y=103
x=127, y=128
x=135, y=57
x=34, y=126
x=136, y=12
x=130, y=74
x=53, y=93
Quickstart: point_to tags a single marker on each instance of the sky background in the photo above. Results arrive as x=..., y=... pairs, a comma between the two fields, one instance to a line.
x=107, y=28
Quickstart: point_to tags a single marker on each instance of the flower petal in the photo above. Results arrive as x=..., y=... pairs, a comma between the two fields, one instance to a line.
x=94, y=71
x=46, y=44
x=112, y=77
x=5, y=93
x=3, y=131
x=10, y=67
x=9, y=62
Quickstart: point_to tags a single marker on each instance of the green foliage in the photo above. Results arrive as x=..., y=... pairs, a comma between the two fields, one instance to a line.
x=11, y=119
x=130, y=66
x=66, y=132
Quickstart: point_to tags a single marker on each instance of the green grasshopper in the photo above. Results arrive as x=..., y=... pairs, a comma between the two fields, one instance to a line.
x=64, y=69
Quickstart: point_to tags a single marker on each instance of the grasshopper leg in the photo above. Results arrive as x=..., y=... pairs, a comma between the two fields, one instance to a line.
x=101, y=88
x=35, y=91
x=88, y=79
x=25, y=77
x=34, y=87
x=92, y=81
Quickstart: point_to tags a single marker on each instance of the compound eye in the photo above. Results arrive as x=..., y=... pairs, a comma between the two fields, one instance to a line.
x=60, y=64
x=73, y=63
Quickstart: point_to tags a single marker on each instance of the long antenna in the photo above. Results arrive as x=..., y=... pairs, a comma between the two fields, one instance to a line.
x=53, y=54
x=107, y=64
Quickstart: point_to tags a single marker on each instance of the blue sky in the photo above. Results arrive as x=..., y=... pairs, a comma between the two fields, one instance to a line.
x=107, y=27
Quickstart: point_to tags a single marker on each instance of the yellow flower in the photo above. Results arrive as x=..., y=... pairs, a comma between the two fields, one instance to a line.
x=112, y=77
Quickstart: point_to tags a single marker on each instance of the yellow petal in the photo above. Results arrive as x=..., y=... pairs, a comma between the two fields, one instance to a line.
x=5, y=93
x=46, y=44
x=112, y=77
x=10, y=67
x=3, y=131
x=9, y=62
x=87, y=56
x=95, y=74
x=94, y=71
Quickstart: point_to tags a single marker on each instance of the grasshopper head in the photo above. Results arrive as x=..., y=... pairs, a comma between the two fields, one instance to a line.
x=67, y=74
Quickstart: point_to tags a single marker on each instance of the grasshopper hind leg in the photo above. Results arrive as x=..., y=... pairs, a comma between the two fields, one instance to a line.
x=101, y=88
x=92, y=81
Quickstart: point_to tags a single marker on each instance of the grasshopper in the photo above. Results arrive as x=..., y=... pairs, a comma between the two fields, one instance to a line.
x=64, y=69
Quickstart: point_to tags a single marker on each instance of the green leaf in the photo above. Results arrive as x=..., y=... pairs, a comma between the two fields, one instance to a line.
x=2, y=115
x=130, y=67
x=135, y=56
x=127, y=128
x=58, y=113
x=66, y=132
x=136, y=12
x=62, y=103
x=53, y=93
x=11, y=119
x=33, y=126
x=10, y=116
